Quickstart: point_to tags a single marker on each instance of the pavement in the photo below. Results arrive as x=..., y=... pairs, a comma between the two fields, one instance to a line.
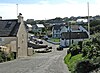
x=52, y=62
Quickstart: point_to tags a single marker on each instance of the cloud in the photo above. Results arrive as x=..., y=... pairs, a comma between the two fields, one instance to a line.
x=44, y=2
x=46, y=10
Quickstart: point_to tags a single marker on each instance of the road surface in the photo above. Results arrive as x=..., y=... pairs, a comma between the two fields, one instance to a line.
x=51, y=62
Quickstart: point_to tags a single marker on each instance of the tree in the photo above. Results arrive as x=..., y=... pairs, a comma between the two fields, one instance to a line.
x=30, y=21
x=94, y=26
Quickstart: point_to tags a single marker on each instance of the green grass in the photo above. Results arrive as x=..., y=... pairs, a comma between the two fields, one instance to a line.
x=55, y=39
x=72, y=61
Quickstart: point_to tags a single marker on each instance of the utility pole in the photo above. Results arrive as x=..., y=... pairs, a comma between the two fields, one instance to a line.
x=17, y=9
x=88, y=20
x=69, y=25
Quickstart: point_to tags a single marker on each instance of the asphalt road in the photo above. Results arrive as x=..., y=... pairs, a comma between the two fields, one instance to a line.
x=51, y=62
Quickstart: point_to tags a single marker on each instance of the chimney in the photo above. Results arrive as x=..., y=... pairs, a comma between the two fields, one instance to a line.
x=0, y=18
x=20, y=18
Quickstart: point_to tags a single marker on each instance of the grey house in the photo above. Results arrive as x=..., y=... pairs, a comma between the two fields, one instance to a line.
x=13, y=33
x=56, y=31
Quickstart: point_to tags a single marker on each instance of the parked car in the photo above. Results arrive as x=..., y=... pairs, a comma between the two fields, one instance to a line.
x=60, y=48
x=45, y=37
x=49, y=47
x=39, y=41
x=36, y=46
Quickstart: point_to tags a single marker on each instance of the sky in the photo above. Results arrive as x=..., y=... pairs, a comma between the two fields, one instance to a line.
x=48, y=9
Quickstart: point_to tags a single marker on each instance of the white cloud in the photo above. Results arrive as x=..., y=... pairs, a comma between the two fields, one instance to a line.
x=44, y=10
x=44, y=2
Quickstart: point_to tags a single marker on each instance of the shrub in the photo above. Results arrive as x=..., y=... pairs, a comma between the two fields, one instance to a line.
x=10, y=56
x=80, y=44
x=1, y=59
x=74, y=50
x=3, y=56
x=84, y=67
x=6, y=57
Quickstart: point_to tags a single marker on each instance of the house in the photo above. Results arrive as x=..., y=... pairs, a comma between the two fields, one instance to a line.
x=73, y=35
x=56, y=31
x=29, y=27
x=38, y=28
x=82, y=21
x=13, y=35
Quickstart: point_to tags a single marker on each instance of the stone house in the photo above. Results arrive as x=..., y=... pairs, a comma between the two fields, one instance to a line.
x=13, y=35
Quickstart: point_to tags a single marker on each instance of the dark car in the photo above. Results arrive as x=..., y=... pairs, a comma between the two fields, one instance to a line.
x=45, y=37
x=39, y=41
x=60, y=48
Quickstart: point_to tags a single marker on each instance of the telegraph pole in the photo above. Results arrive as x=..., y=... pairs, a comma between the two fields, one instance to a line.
x=69, y=25
x=88, y=20
x=17, y=9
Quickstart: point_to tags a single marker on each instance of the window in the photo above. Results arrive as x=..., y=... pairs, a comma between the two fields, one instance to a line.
x=57, y=31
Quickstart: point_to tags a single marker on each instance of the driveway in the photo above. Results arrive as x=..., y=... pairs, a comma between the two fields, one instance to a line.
x=51, y=62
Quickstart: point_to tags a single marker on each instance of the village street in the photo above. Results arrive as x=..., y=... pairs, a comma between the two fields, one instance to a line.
x=51, y=62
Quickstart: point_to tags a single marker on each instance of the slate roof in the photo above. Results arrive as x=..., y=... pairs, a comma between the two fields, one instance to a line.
x=74, y=27
x=9, y=28
x=40, y=25
x=57, y=27
x=74, y=35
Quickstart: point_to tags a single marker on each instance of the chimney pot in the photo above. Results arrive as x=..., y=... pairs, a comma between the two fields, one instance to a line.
x=20, y=18
x=0, y=18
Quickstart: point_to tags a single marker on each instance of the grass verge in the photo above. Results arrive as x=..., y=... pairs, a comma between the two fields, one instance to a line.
x=72, y=61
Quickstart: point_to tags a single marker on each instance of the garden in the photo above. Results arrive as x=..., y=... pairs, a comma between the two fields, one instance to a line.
x=84, y=57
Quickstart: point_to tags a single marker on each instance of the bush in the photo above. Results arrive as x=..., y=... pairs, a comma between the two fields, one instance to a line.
x=6, y=57
x=80, y=44
x=3, y=56
x=74, y=50
x=1, y=59
x=84, y=67
x=10, y=56
x=84, y=57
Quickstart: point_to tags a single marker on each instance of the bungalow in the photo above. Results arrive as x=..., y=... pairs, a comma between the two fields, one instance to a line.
x=73, y=35
x=13, y=35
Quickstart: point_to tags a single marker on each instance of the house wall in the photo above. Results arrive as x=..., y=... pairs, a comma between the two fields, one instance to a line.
x=65, y=42
x=22, y=40
x=36, y=29
x=56, y=34
x=14, y=46
x=10, y=43
x=6, y=40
